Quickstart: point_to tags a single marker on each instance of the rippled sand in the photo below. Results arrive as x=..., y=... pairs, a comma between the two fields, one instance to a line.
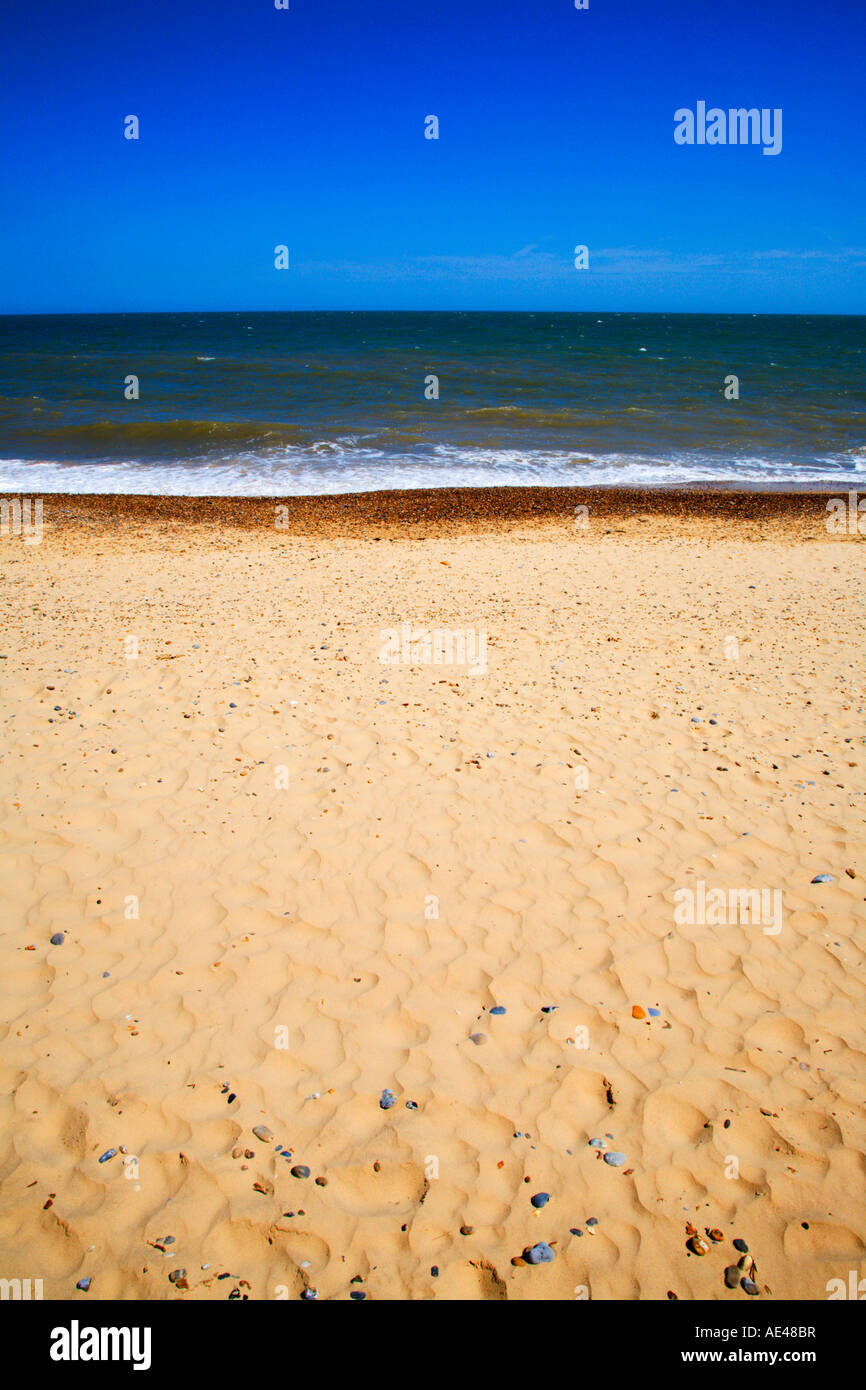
x=339, y=866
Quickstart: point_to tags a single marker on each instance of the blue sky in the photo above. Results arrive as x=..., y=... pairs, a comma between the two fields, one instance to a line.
x=306, y=127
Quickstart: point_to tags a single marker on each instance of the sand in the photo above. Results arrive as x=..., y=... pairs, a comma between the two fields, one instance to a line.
x=289, y=873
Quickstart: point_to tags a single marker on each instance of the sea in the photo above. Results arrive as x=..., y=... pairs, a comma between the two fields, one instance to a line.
x=300, y=403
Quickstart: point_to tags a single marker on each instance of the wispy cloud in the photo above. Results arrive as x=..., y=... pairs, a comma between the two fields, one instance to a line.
x=530, y=264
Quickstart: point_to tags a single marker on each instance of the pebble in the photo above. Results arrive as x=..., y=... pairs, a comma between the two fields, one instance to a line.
x=540, y=1199
x=262, y=1132
x=637, y=1011
x=615, y=1159
x=823, y=878
x=109, y=1153
x=549, y=1008
x=358, y=1295
x=597, y=1144
x=57, y=939
x=300, y=1170
x=411, y=1105
x=467, y=1230
x=697, y=1245
x=655, y=1013
x=540, y=1254
x=741, y=1246
x=309, y=1294
x=387, y=1099
x=750, y=1287
x=434, y=1270
x=498, y=1009
x=83, y=1285
x=732, y=1277
x=176, y=1276
x=479, y=1039
x=592, y=1221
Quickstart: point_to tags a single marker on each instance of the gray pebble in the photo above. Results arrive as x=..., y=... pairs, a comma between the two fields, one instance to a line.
x=540, y=1254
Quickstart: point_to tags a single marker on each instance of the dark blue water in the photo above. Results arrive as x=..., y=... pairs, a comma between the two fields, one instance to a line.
x=259, y=403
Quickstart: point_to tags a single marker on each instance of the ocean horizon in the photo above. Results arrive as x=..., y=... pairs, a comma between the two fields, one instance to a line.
x=304, y=403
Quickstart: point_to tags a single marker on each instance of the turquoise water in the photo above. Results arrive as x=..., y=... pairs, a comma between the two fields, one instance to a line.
x=281, y=403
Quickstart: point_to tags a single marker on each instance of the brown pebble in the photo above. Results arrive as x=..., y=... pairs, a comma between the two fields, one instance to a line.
x=321, y=1182
x=467, y=1230
x=697, y=1246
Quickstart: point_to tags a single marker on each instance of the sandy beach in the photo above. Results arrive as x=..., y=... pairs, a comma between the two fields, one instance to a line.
x=296, y=863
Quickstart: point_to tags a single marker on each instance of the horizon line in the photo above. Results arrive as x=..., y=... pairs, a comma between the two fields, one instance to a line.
x=649, y=313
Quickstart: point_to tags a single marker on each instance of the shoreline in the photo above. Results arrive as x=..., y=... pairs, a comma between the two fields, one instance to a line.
x=449, y=508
